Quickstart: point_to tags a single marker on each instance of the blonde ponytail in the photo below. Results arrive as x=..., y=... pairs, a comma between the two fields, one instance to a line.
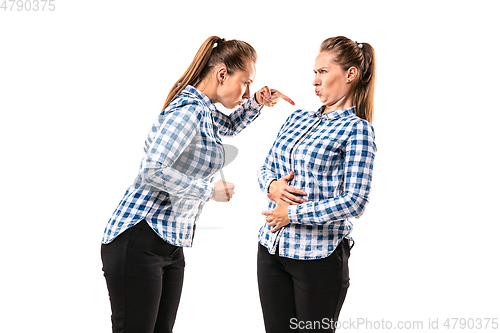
x=194, y=70
x=364, y=90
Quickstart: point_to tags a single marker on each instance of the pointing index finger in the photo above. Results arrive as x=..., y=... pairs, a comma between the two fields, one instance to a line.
x=283, y=96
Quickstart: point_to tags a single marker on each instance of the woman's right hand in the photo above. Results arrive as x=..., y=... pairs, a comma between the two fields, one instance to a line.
x=223, y=191
x=281, y=190
x=269, y=97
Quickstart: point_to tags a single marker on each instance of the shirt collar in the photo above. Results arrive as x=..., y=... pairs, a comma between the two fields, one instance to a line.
x=333, y=115
x=190, y=90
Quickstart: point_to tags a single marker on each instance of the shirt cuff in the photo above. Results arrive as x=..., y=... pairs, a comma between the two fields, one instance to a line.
x=254, y=104
x=205, y=189
x=294, y=212
x=209, y=192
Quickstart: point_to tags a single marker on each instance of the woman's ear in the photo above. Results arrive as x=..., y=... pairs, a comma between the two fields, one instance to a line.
x=221, y=74
x=352, y=73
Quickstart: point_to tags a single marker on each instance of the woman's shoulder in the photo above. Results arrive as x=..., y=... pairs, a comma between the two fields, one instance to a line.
x=301, y=114
x=356, y=121
x=187, y=103
x=295, y=118
x=359, y=126
x=184, y=99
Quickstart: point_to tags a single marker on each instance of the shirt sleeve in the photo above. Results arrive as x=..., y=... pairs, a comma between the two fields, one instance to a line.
x=267, y=171
x=358, y=165
x=178, y=129
x=237, y=120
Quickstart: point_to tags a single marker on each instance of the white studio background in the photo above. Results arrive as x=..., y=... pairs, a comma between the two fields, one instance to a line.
x=81, y=85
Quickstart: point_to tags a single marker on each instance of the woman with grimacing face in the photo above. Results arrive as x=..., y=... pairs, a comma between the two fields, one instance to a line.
x=317, y=176
x=142, y=254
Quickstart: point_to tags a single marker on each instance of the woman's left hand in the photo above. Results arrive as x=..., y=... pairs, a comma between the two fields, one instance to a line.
x=277, y=217
x=269, y=97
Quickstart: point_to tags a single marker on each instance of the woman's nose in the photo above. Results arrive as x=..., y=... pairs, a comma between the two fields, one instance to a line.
x=246, y=95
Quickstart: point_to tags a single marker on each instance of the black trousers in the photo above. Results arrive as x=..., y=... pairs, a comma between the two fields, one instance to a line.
x=302, y=295
x=144, y=275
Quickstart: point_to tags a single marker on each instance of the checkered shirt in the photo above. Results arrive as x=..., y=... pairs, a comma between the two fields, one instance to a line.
x=332, y=158
x=182, y=153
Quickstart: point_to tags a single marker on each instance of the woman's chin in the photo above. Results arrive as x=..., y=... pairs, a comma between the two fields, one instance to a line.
x=232, y=106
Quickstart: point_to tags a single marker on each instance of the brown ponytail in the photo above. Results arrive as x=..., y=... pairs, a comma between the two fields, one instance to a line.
x=232, y=53
x=348, y=53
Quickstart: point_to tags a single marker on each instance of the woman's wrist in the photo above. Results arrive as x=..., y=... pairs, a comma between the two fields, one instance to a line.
x=271, y=186
x=256, y=97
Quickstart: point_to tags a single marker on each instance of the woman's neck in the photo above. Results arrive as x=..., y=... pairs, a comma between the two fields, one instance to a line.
x=208, y=88
x=344, y=103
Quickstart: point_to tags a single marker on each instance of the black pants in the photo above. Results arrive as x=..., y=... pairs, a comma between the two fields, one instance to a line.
x=144, y=275
x=302, y=295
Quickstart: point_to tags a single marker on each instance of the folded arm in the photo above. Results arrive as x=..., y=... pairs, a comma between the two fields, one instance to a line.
x=358, y=166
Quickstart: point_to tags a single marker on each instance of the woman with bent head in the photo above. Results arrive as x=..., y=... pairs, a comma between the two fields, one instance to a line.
x=141, y=250
x=317, y=176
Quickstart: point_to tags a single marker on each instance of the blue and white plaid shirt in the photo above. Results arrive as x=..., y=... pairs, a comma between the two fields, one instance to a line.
x=182, y=153
x=332, y=158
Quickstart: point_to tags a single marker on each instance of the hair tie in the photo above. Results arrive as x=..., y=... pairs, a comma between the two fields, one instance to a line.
x=360, y=45
x=218, y=42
